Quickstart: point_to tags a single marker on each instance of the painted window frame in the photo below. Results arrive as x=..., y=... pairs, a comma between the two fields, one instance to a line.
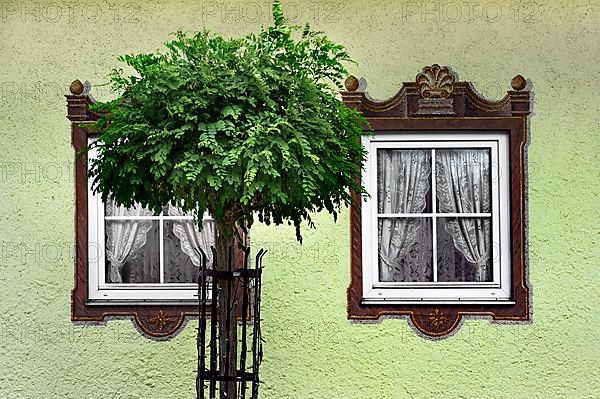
x=157, y=320
x=436, y=101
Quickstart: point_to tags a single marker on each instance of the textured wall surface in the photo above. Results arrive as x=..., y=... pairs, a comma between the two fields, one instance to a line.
x=312, y=351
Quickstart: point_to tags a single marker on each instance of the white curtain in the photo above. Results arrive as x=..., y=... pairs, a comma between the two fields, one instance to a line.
x=191, y=237
x=403, y=182
x=463, y=186
x=124, y=237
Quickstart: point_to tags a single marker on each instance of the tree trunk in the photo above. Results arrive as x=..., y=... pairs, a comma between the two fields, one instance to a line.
x=226, y=314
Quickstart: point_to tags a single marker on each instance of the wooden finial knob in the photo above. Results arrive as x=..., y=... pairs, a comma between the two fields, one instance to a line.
x=76, y=87
x=518, y=83
x=351, y=83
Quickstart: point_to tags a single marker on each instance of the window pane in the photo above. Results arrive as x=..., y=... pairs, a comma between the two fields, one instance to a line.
x=405, y=249
x=182, y=239
x=403, y=181
x=463, y=180
x=112, y=209
x=464, y=249
x=170, y=210
x=132, y=251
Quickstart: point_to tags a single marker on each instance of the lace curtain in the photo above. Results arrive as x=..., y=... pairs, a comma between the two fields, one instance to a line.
x=124, y=237
x=451, y=264
x=130, y=259
x=192, y=238
x=144, y=265
x=404, y=243
x=463, y=186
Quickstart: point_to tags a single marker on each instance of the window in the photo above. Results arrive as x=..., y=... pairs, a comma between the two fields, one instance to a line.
x=137, y=255
x=443, y=234
x=436, y=228
x=131, y=262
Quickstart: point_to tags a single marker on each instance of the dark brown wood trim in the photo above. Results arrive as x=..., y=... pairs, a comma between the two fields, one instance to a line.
x=463, y=109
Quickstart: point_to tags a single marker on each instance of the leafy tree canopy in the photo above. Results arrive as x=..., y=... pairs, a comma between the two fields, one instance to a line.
x=239, y=127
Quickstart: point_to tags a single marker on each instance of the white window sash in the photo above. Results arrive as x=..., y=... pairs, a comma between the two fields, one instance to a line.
x=375, y=291
x=101, y=292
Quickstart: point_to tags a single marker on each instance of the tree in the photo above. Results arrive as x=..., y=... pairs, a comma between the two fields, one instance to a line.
x=239, y=127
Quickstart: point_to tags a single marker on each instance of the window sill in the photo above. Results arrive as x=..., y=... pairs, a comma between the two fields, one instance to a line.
x=140, y=302
x=498, y=301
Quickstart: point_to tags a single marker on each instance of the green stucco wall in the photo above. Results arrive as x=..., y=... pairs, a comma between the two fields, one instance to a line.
x=312, y=351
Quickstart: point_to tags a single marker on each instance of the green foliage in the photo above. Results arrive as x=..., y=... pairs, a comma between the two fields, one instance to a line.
x=238, y=127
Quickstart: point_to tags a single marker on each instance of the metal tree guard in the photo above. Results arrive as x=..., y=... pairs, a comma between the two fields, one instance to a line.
x=246, y=283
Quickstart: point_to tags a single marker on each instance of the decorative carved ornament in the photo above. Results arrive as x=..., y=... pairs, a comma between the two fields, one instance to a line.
x=437, y=92
x=437, y=318
x=435, y=82
x=437, y=101
x=435, y=85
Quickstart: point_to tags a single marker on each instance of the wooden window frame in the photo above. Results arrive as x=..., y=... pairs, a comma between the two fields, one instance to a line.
x=437, y=102
x=153, y=319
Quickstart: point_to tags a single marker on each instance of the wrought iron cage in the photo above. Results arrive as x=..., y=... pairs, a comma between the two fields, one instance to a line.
x=238, y=289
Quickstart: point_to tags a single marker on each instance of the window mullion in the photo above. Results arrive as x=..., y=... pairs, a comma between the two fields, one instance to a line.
x=434, y=216
x=161, y=247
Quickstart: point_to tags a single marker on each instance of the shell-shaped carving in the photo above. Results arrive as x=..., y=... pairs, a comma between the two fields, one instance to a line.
x=435, y=82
